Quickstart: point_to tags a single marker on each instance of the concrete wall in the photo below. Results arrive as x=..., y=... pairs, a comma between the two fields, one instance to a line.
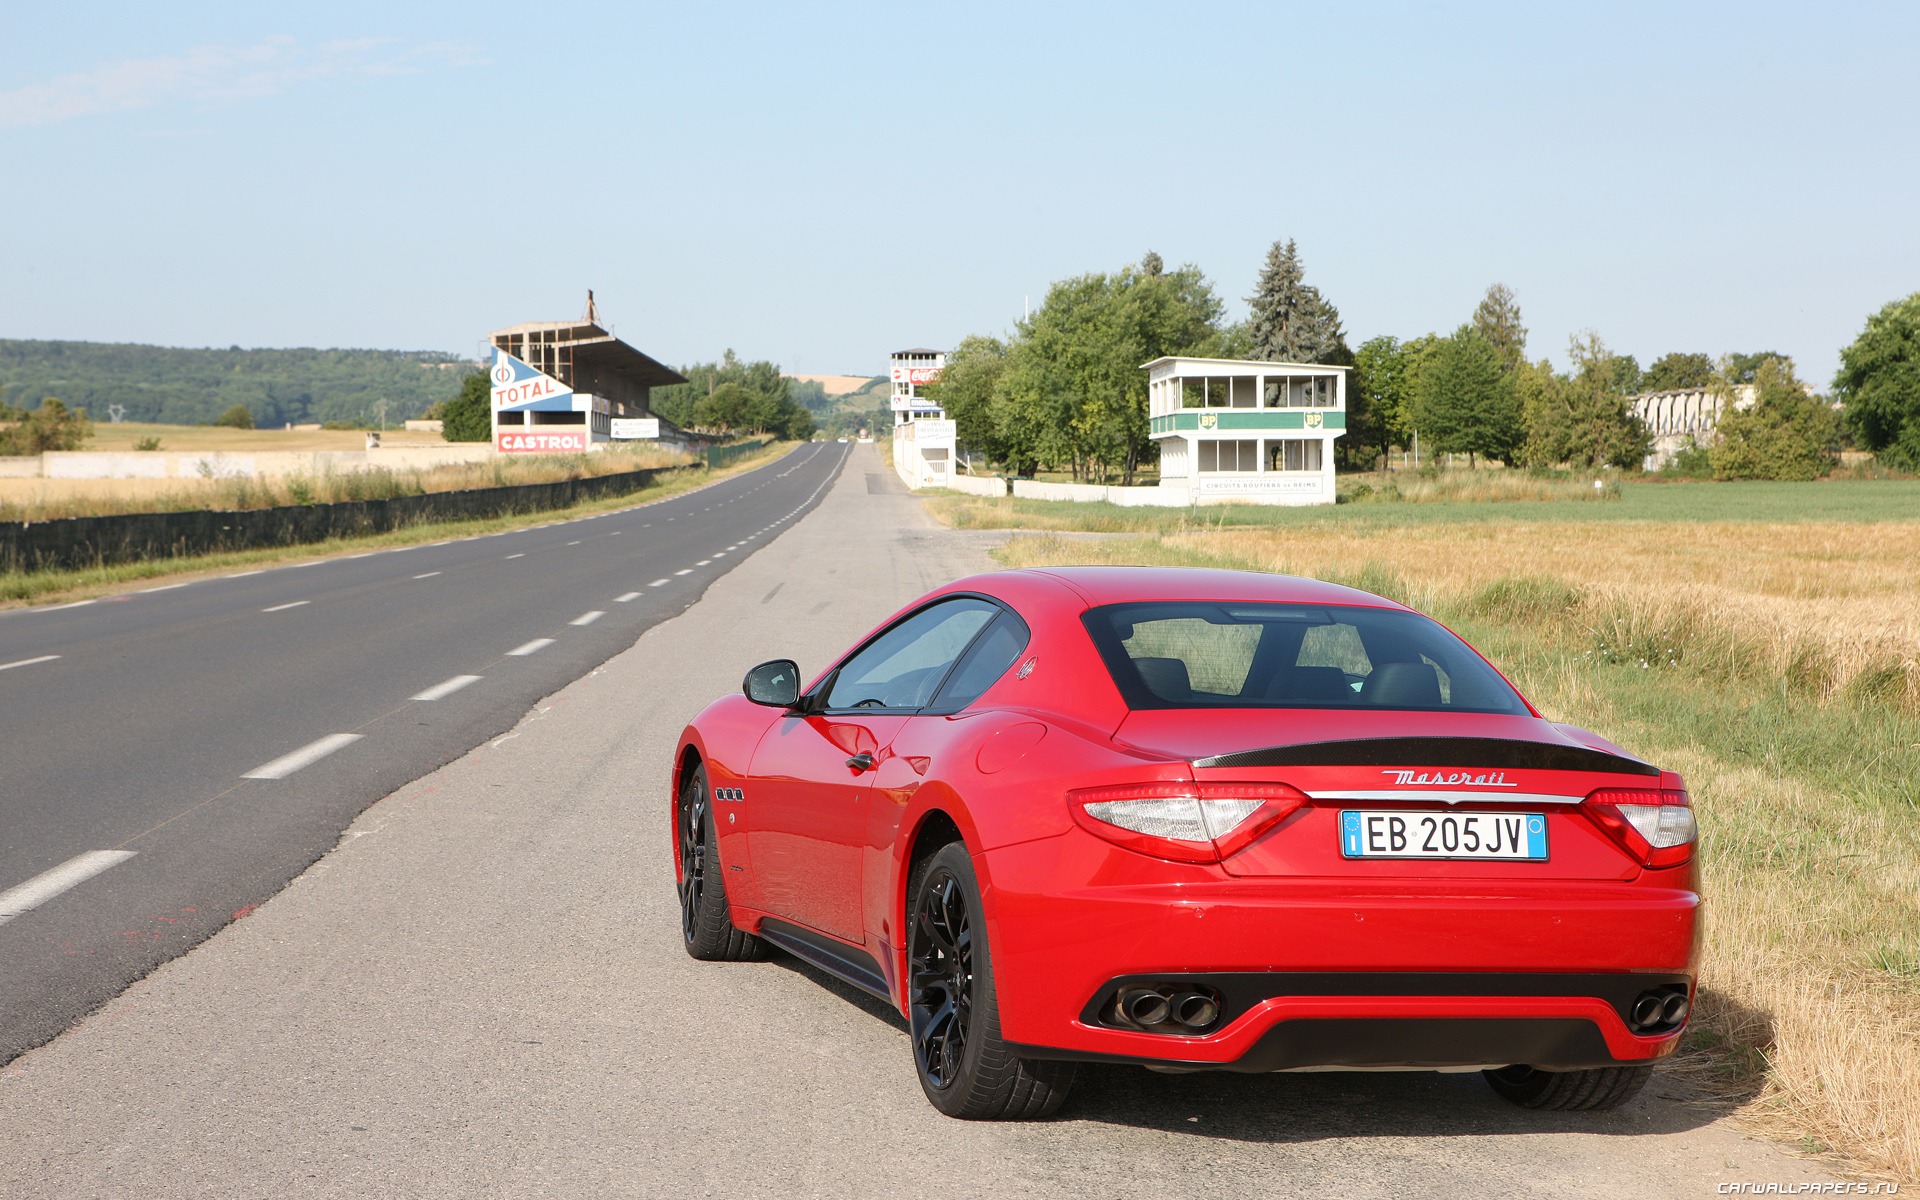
x=159, y=464
x=977, y=485
x=25, y=466
x=89, y=541
x=1034, y=489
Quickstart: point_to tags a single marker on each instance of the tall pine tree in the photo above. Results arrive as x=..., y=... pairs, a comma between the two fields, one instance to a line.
x=1497, y=319
x=1291, y=321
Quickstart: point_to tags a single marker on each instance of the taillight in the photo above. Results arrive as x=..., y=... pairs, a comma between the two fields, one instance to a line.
x=1655, y=825
x=1186, y=822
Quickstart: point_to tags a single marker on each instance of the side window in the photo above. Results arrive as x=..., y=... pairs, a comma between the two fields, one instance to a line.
x=900, y=668
x=988, y=659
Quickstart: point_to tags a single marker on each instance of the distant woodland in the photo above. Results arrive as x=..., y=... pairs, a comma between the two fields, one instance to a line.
x=194, y=387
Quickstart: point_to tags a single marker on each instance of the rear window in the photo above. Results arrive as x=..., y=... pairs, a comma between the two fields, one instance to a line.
x=1203, y=655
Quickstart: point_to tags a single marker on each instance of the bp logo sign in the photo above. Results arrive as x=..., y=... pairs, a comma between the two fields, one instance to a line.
x=1209, y=420
x=1315, y=420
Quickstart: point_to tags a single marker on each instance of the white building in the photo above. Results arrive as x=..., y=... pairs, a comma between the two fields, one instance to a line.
x=923, y=437
x=1238, y=430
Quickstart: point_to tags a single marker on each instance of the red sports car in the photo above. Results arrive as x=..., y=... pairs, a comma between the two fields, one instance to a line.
x=1194, y=820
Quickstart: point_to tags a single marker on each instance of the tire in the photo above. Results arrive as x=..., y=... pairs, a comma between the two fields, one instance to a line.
x=964, y=1066
x=706, y=925
x=1593, y=1090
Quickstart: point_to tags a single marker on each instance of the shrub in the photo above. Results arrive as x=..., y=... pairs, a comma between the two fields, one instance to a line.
x=237, y=417
x=468, y=417
x=147, y=443
x=52, y=426
x=1787, y=434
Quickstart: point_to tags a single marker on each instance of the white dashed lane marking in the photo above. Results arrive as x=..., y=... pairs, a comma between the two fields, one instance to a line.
x=522, y=554
x=533, y=647
x=627, y=597
x=684, y=571
x=659, y=583
x=441, y=691
x=428, y=575
x=285, y=607
x=306, y=756
x=48, y=884
x=587, y=618
x=27, y=662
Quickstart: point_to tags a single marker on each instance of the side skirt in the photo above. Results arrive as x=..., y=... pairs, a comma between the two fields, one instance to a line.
x=849, y=964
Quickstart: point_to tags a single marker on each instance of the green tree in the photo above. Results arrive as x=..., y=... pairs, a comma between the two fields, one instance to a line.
x=1497, y=318
x=1785, y=434
x=1072, y=392
x=1745, y=368
x=1582, y=420
x=52, y=426
x=1463, y=402
x=1384, y=372
x=1675, y=372
x=730, y=406
x=237, y=417
x=1626, y=374
x=1291, y=321
x=1879, y=383
x=468, y=416
x=965, y=390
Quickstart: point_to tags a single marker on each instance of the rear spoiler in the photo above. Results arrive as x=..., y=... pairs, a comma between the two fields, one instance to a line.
x=1435, y=752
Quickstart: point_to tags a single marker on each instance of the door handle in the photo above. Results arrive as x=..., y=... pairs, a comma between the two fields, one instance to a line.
x=861, y=762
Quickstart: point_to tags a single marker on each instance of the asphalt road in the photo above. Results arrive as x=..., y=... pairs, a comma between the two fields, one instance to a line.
x=132, y=724
x=481, y=991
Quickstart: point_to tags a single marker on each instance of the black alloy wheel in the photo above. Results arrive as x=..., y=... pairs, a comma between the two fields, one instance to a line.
x=706, y=926
x=964, y=1066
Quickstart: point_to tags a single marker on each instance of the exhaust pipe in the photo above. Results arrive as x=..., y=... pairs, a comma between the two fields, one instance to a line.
x=1675, y=1009
x=1195, y=1010
x=1647, y=1010
x=1145, y=1007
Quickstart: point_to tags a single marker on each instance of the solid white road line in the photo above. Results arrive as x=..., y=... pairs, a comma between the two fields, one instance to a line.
x=27, y=662
x=533, y=647
x=165, y=587
x=244, y=574
x=48, y=884
x=287, y=764
x=285, y=607
x=660, y=583
x=58, y=607
x=428, y=575
x=587, y=618
x=627, y=597
x=441, y=691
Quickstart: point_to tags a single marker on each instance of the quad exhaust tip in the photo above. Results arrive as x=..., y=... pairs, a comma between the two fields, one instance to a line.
x=1660, y=1011
x=1168, y=1008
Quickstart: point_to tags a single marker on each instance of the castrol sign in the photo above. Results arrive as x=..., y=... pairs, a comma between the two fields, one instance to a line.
x=552, y=440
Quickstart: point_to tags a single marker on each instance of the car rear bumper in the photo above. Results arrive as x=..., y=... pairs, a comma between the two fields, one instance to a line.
x=1326, y=973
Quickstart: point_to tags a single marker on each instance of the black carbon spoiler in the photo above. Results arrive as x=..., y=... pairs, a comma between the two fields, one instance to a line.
x=1435, y=752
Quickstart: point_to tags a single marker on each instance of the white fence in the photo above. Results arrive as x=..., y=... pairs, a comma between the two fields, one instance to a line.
x=1126, y=497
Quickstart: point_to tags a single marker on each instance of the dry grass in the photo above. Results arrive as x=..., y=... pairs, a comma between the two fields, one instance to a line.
x=50, y=499
x=195, y=438
x=1772, y=664
x=1486, y=486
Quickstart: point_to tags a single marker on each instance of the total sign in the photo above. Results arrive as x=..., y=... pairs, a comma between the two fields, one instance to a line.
x=517, y=387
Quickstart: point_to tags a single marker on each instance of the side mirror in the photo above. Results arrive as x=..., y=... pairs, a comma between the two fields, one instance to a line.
x=775, y=684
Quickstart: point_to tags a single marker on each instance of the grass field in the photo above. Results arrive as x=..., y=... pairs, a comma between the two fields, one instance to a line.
x=1761, y=639
x=190, y=438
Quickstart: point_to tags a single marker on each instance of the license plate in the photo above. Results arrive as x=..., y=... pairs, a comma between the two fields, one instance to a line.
x=1406, y=834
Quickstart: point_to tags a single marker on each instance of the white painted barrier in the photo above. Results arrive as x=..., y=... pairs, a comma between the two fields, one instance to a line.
x=977, y=485
x=1034, y=489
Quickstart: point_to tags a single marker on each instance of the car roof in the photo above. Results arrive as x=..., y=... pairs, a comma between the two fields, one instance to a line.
x=1119, y=585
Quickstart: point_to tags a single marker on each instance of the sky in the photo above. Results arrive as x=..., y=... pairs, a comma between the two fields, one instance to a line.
x=823, y=184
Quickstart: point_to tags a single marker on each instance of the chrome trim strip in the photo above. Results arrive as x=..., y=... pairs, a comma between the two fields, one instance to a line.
x=1449, y=797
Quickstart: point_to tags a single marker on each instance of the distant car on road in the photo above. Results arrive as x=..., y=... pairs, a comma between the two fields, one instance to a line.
x=1194, y=820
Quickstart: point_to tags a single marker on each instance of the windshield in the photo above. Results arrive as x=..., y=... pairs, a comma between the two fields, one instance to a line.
x=1223, y=655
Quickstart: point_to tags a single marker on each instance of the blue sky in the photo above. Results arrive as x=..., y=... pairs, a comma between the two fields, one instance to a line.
x=821, y=184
